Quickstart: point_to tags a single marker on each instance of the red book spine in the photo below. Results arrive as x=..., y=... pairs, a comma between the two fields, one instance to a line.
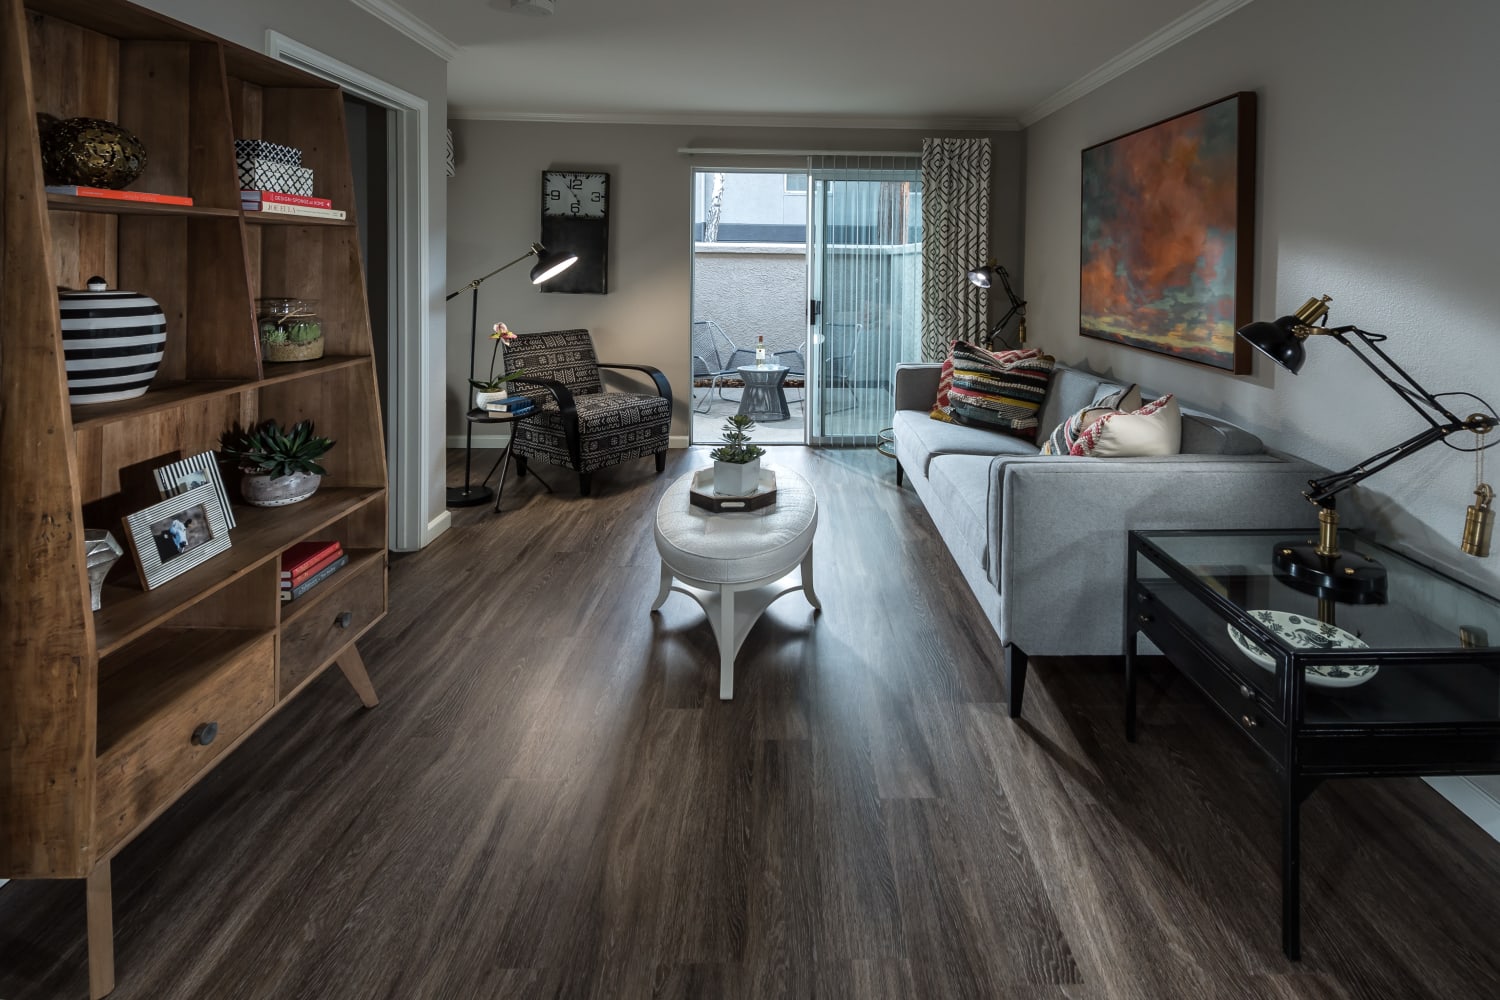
x=304, y=554
x=80, y=191
x=282, y=198
x=302, y=575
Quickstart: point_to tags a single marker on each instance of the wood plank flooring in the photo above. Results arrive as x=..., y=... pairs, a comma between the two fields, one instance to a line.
x=550, y=801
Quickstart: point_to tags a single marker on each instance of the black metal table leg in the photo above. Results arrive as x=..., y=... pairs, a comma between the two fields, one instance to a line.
x=1291, y=868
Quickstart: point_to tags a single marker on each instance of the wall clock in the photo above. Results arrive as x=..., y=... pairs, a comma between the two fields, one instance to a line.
x=575, y=216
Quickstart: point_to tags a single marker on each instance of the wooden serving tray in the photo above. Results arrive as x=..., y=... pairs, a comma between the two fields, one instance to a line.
x=702, y=494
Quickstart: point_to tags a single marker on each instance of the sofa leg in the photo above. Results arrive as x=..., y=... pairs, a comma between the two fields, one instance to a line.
x=661, y=461
x=585, y=483
x=1015, y=678
x=520, y=465
x=900, y=474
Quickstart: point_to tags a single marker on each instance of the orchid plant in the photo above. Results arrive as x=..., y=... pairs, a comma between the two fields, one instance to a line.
x=502, y=335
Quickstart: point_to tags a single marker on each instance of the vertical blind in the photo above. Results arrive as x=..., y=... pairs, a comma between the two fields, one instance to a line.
x=865, y=280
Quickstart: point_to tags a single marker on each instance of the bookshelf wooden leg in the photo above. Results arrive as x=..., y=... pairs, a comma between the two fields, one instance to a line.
x=101, y=925
x=358, y=678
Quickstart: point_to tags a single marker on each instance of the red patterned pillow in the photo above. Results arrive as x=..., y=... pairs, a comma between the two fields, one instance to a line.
x=942, y=408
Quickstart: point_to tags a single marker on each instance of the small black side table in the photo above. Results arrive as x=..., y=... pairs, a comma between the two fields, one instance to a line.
x=1420, y=695
x=477, y=416
x=764, y=398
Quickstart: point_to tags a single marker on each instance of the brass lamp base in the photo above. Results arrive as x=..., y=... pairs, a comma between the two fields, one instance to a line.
x=1317, y=567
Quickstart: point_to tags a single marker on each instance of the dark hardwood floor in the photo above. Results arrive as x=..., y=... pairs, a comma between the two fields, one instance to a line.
x=551, y=801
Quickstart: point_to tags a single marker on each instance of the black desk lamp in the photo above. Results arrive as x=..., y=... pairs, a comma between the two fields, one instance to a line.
x=985, y=277
x=548, y=265
x=1319, y=567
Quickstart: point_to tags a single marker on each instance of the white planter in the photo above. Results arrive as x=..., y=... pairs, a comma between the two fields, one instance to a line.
x=260, y=490
x=483, y=397
x=736, y=479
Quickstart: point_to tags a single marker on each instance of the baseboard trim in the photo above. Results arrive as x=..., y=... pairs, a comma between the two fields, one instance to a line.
x=1471, y=800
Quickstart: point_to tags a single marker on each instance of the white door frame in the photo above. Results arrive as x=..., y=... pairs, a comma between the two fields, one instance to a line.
x=416, y=360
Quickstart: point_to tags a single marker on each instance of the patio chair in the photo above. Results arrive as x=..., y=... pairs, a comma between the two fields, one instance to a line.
x=838, y=370
x=578, y=425
x=716, y=359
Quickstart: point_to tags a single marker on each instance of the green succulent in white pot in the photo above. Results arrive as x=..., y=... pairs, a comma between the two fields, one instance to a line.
x=279, y=466
x=737, y=461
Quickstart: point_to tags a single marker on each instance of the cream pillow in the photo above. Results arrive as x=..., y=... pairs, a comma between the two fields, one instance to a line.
x=1061, y=440
x=1154, y=429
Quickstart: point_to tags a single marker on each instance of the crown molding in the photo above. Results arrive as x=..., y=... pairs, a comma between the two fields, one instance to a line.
x=411, y=26
x=1146, y=49
x=708, y=119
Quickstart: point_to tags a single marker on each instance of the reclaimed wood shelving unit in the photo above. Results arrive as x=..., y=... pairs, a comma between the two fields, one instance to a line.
x=98, y=709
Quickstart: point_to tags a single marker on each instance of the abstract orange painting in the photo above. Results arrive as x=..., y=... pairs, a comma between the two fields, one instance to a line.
x=1168, y=235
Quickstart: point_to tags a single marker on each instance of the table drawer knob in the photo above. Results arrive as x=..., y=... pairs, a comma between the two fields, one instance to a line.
x=1250, y=721
x=1143, y=618
x=1245, y=691
x=205, y=734
x=343, y=619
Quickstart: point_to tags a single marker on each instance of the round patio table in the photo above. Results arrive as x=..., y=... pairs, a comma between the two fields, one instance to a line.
x=764, y=398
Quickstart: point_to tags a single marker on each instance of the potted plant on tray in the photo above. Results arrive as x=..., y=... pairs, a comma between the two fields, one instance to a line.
x=737, y=461
x=280, y=466
x=492, y=390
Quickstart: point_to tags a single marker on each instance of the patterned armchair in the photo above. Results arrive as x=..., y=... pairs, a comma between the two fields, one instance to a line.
x=579, y=426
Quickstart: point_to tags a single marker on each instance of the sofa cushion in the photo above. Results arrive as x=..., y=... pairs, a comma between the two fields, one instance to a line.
x=919, y=440
x=1069, y=391
x=942, y=407
x=1000, y=391
x=1203, y=434
x=1154, y=429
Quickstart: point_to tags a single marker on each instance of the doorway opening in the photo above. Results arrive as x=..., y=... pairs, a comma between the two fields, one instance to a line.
x=806, y=294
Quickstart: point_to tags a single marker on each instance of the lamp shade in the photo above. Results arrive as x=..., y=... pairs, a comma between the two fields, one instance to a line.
x=983, y=277
x=1277, y=341
x=550, y=265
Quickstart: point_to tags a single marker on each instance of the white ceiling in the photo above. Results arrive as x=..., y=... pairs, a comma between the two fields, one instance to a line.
x=983, y=63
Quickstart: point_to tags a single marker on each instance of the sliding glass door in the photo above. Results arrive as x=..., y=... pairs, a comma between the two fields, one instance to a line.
x=865, y=291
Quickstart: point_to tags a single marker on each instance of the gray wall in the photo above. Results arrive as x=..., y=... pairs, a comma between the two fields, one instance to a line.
x=353, y=36
x=1377, y=157
x=752, y=294
x=646, y=317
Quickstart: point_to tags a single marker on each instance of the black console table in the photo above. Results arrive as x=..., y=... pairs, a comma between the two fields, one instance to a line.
x=1422, y=697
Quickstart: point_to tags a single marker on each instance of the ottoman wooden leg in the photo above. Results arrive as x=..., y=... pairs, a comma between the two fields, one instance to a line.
x=666, y=587
x=807, y=585
x=726, y=643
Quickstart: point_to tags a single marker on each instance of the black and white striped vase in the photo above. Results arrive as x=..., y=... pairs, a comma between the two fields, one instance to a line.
x=112, y=342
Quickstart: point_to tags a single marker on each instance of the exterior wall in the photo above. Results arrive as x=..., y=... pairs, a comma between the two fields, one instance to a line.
x=1376, y=188
x=646, y=317
x=753, y=291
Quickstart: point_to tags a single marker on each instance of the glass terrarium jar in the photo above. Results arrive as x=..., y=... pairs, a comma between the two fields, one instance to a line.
x=290, y=329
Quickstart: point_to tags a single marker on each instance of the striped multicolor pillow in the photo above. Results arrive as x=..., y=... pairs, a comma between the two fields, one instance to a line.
x=1003, y=391
x=942, y=408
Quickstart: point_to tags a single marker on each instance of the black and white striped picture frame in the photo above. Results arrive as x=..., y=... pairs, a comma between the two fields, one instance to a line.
x=113, y=343
x=179, y=477
x=171, y=537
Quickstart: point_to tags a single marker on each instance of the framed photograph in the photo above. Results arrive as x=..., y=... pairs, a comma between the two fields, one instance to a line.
x=189, y=474
x=1168, y=236
x=171, y=537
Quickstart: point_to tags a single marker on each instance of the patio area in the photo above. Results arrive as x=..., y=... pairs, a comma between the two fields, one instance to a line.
x=849, y=409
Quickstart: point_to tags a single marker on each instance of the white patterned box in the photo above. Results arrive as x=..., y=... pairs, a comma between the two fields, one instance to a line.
x=267, y=175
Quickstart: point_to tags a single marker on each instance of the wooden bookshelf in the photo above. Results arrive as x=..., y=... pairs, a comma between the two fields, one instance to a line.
x=108, y=717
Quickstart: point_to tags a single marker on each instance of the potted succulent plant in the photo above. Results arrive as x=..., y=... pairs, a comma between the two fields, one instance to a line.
x=493, y=389
x=737, y=461
x=280, y=466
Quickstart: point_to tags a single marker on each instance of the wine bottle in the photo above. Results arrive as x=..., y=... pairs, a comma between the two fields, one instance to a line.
x=760, y=350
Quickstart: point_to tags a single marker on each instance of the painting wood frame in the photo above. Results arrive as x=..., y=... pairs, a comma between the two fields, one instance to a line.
x=1163, y=209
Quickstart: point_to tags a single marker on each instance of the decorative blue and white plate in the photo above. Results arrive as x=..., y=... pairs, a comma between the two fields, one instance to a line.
x=1302, y=632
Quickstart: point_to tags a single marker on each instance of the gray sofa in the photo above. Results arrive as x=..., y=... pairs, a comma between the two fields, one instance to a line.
x=1041, y=539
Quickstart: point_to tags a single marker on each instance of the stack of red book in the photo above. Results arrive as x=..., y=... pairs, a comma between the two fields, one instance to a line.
x=307, y=564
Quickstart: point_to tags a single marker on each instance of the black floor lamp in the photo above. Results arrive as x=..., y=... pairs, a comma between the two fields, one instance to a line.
x=548, y=265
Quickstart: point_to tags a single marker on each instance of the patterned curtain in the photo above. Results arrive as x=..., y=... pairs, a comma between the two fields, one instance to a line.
x=956, y=227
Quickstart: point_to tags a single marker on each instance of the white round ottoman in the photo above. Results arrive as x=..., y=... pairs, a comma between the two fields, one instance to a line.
x=733, y=564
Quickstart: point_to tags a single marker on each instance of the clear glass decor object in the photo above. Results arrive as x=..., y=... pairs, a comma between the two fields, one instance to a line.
x=290, y=329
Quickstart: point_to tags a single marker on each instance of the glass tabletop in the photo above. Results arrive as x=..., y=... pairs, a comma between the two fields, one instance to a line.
x=1423, y=609
x=1429, y=653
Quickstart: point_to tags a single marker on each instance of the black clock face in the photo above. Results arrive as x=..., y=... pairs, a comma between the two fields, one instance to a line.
x=575, y=218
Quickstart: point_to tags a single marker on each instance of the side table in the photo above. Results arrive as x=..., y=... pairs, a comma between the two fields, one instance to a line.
x=764, y=398
x=1322, y=689
x=478, y=416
